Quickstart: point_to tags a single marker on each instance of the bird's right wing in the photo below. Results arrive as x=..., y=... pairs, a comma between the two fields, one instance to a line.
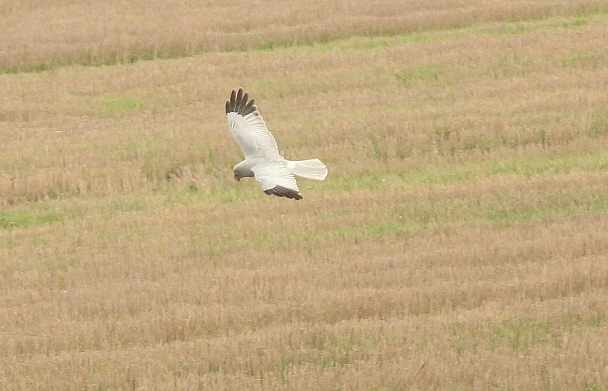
x=275, y=179
x=248, y=127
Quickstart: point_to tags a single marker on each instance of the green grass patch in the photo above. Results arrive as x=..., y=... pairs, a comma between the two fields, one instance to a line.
x=444, y=173
x=527, y=166
x=521, y=334
x=21, y=218
x=362, y=180
x=381, y=41
x=584, y=59
x=407, y=76
x=598, y=123
x=269, y=86
x=512, y=214
x=120, y=103
x=516, y=28
x=124, y=204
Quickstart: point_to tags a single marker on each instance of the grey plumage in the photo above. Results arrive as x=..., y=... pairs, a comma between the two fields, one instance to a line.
x=274, y=173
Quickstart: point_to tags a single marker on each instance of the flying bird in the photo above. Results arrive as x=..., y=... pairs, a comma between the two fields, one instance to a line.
x=274, y=173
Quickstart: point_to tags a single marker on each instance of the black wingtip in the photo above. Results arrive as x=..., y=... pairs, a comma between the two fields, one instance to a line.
x=239, y=103
x=281, y=191
x=239, y=97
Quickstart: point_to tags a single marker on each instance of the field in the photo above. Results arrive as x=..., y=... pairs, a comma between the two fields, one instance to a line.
x=460, y=241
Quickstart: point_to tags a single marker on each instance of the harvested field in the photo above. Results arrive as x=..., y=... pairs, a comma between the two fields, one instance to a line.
x=460, y=241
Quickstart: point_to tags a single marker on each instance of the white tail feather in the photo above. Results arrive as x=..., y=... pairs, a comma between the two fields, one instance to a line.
x=309, y=169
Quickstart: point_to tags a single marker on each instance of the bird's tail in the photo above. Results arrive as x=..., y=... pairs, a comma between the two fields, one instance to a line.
x=309, y=169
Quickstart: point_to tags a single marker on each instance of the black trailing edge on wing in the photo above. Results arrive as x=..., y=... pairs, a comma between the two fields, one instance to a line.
x=281, y=191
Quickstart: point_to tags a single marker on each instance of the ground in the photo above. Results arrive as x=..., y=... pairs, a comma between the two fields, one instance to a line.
x=460, y=241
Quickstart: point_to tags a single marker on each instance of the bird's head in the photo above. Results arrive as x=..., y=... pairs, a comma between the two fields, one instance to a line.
x=242, y=170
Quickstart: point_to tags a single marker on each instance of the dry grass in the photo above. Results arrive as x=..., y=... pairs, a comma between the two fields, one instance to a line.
x=460, y=241
x=47, y=34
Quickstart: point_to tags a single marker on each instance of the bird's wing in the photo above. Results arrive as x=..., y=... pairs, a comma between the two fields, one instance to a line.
x=275, y=179
x=248, y=127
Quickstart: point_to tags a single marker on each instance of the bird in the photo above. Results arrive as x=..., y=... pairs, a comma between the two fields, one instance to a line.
x=275, y=174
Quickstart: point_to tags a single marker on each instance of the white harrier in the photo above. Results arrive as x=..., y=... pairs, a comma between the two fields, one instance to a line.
x=273, y=172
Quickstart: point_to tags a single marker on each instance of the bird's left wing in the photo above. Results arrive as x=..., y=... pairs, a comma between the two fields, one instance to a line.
x=275, y=179
x=248, y=127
